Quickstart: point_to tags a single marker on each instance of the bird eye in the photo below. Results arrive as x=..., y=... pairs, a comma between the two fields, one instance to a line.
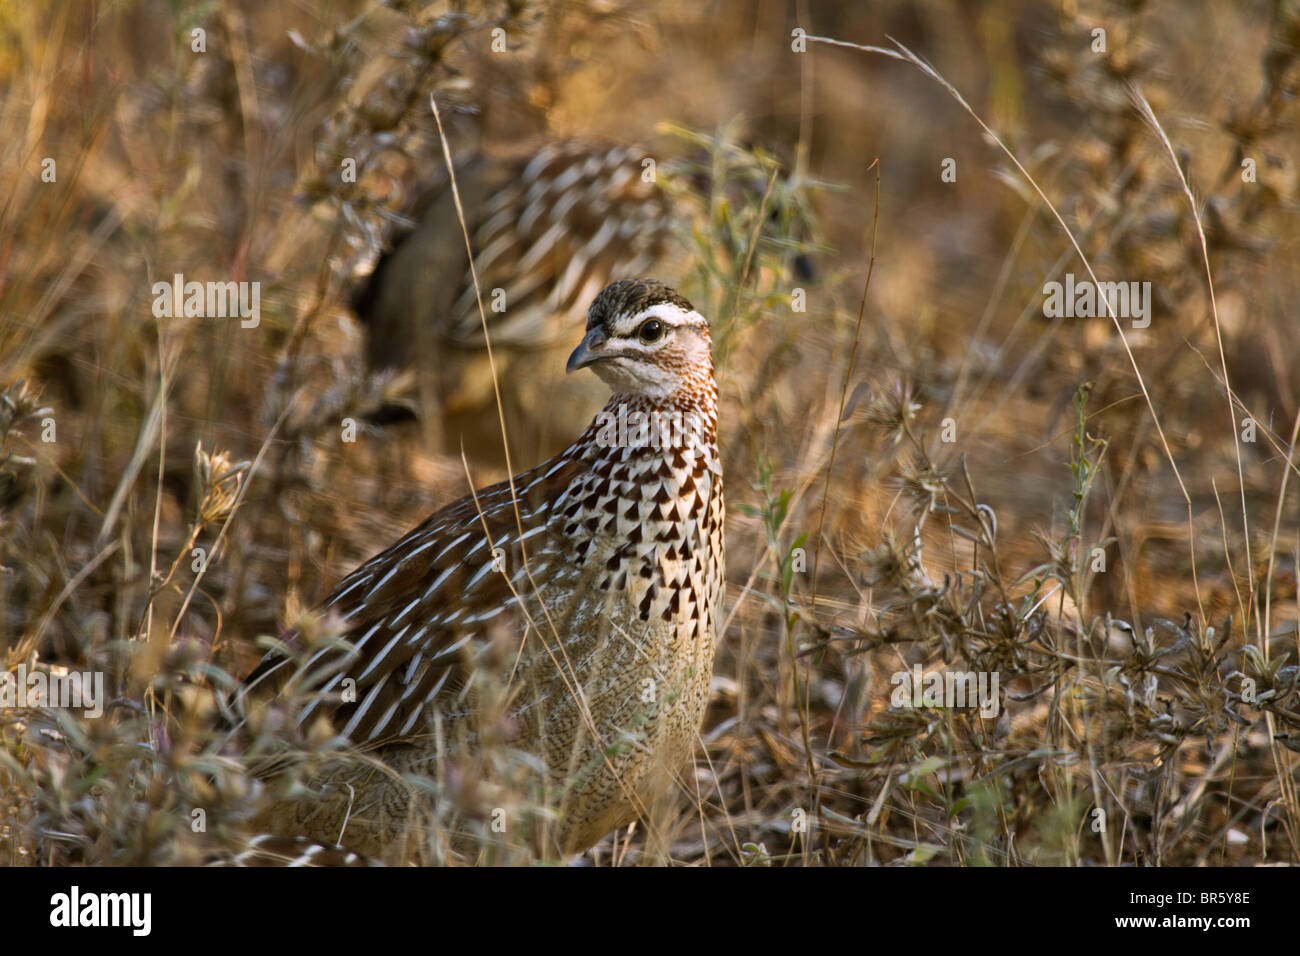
x=651, y=330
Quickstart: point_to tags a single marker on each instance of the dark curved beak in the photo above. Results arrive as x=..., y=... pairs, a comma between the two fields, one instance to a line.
x=588, y=352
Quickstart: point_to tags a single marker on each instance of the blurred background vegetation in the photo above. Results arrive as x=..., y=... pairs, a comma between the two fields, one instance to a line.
x=860, y=541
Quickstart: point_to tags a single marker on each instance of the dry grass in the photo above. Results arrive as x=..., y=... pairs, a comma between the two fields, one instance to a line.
x=197, y=494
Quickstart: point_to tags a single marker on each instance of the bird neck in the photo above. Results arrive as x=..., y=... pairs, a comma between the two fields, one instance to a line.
x=685, y=419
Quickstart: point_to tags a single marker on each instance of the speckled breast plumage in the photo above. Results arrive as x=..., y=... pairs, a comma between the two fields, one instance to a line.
x=612, y=572
x=580, y=601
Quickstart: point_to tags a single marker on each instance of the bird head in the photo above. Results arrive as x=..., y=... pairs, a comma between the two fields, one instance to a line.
x=645, y=339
